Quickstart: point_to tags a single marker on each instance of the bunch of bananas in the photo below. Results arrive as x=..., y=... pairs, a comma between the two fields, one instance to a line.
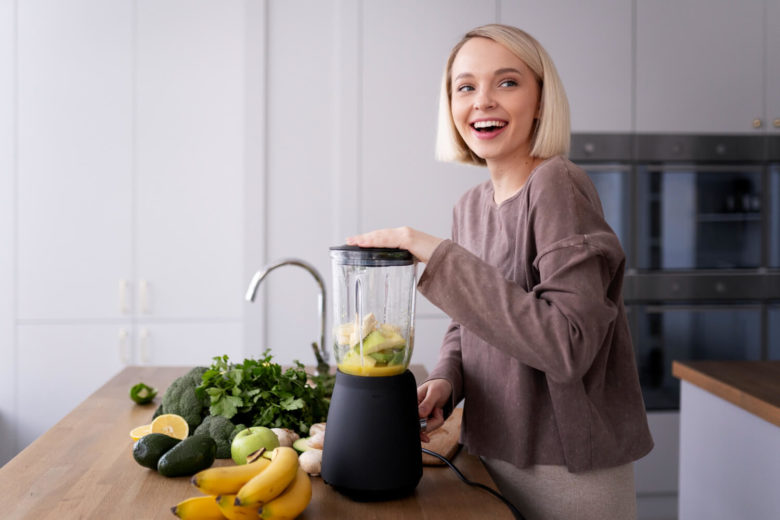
x=272, y=489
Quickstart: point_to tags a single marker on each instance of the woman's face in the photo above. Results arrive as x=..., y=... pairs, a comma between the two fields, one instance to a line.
x=495, y=100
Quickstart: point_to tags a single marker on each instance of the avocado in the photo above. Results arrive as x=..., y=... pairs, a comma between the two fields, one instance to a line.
x=377, y=341
x=148, y=450
x=188, y=457
x=383, y=357
x=301, y=444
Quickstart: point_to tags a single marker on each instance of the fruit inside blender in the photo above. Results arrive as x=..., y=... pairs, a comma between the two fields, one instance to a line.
x=371, y=348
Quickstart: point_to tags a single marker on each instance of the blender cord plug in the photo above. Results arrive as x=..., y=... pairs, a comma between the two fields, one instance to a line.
x=460, y=475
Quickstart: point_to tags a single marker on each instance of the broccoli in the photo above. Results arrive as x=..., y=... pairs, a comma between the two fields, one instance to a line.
x=181, y=399
x=222, y=430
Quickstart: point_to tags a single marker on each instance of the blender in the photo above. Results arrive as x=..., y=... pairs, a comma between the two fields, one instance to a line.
x=372, y=444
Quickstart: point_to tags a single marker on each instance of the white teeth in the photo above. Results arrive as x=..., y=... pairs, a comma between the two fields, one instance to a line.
x=487, y=124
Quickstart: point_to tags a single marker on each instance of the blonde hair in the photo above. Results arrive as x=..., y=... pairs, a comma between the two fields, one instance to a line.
x=553, y=130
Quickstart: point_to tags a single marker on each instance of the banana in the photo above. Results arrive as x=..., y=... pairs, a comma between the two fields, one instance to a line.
x=292, y=501
x=227, y=506
x=198, y=508
x=225, y=480
x=270, y=482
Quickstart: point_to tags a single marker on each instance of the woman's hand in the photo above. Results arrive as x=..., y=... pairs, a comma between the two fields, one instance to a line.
x=420, y=244
x=431, y=398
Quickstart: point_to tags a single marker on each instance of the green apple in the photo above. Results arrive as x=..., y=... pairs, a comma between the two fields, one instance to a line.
x=250, y=440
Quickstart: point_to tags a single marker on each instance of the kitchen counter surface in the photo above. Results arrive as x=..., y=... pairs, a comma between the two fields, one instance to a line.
x=753, y=386
x=83, y=468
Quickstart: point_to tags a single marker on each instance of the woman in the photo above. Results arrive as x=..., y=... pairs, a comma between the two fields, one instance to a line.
x=539, y=345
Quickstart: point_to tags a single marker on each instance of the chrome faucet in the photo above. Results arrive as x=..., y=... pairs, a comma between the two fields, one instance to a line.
x=320, y=351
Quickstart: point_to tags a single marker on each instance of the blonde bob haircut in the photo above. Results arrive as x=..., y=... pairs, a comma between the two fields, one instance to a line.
x=552, y=132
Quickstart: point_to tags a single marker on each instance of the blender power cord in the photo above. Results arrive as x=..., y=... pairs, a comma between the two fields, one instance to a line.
x=490, y=490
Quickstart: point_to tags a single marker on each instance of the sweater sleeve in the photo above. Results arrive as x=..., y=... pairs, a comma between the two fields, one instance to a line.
x=557, y=326
x=450, y=366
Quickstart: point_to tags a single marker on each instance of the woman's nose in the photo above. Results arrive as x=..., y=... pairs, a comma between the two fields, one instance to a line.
x=484, y=100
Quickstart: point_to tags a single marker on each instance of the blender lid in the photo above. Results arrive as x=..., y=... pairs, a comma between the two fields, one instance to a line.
x=370, y=256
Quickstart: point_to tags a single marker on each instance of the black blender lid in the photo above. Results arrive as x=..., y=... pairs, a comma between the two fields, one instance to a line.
x=371, y=256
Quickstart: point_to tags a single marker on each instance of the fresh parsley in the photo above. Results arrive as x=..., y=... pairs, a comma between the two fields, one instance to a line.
x=257, y=392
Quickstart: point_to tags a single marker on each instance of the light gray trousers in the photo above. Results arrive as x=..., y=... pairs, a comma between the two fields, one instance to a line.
x=552, y=493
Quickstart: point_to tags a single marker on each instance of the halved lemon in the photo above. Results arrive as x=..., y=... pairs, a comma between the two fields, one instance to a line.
x=140, y=431
x=172, y=425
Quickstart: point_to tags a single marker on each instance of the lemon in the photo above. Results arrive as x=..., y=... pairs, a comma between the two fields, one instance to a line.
x=172, y=425
x=137, y=433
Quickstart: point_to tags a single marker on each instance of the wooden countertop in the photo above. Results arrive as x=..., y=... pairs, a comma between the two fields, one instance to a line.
x=752, y=385
x=83, y=468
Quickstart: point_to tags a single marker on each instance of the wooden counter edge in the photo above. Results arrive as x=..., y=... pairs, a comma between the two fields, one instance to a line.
x=736, y=396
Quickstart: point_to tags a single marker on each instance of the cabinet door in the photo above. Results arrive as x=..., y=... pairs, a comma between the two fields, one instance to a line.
x=74, y=139
x=189, y=206
x=773, y=65
x=591, y=48
x=187, y=344
x=58, y=367
x=7, y=228
x=699, y=66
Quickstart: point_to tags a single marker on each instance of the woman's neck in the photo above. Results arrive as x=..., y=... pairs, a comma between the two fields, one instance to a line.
x=509, y=177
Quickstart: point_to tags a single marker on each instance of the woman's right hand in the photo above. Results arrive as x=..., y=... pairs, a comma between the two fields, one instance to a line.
x=432, y=396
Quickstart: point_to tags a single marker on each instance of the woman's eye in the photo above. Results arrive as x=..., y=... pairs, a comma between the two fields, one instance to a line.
x=465, y=88
x=508, y=83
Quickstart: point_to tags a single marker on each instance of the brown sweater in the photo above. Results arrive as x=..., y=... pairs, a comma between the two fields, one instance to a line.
x=539, y=344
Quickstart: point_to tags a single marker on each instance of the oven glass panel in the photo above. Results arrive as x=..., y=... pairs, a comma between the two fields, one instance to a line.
x=774, y=215
x=683, y=333
x=613, y=186
x=699, y=217
x=774, y=332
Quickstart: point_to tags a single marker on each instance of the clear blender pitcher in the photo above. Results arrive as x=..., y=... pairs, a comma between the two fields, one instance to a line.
x=373, y=318
x=372, y=446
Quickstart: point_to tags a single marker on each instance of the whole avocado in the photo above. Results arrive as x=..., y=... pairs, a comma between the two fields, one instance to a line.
x=148, y=450
x=188, y=457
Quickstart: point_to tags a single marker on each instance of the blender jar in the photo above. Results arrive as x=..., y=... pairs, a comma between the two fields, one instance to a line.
x=373, y=298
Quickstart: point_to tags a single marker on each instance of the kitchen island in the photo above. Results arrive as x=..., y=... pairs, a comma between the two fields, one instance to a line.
x=83, y=468
x=729, y=439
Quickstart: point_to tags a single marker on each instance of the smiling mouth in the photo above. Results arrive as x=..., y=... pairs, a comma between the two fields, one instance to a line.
x=488, y=126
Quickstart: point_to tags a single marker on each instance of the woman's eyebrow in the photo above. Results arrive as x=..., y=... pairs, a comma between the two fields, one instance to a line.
x=508, y=70
x=499, y=72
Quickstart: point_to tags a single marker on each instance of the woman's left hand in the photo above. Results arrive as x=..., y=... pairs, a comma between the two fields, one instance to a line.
x=420, y=244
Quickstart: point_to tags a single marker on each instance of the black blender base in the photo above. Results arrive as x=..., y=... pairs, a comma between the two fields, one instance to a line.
x=374, y=495
x=372, y=442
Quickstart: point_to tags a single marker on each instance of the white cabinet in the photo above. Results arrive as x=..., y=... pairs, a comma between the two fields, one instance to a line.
x=130, y=193
x=59, y=365
x=591, y=46
x=7, y=218
x=75, y=164
x=772, y=88
x=700, y=66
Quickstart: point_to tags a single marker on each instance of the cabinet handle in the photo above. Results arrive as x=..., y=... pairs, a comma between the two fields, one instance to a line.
x=124, y=357
x=144, y=345
x=757, y=123
x=144, y=295
x=124, y=306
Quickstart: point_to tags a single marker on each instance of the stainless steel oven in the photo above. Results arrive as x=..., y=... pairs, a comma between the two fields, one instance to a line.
x=699, y=219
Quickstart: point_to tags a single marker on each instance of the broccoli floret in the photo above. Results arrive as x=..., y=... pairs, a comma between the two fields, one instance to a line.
x=181, y=399
x=220, y=429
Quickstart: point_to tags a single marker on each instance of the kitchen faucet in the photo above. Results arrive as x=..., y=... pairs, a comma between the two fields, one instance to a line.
x=319, y=352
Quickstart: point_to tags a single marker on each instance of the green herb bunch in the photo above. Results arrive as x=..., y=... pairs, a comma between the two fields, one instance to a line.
x=257, y=392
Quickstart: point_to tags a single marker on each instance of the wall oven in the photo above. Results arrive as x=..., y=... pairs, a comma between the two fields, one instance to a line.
x=699, y=219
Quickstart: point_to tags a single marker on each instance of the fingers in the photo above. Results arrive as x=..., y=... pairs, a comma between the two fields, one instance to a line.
x=378, y=238
x=434, y=421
